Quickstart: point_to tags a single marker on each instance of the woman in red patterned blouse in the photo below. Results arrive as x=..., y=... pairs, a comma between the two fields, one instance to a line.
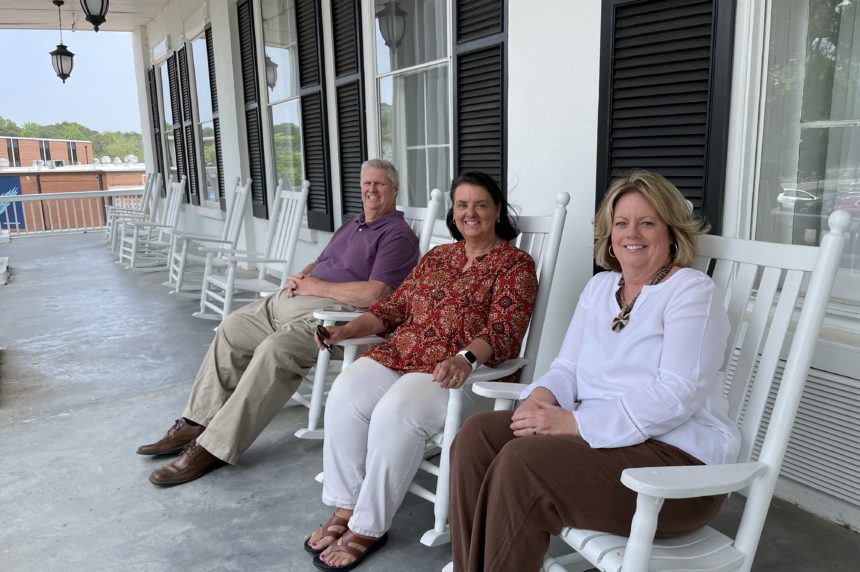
x=465, y=304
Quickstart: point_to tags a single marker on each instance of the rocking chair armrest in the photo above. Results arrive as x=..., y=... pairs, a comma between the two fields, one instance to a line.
x=692, y=481
x=336, y=315
x=223, y=250
x=131, y=216
x=197, y=237
x=496, y=389
x=254, y=259
x=144, y=224
x=362, y=341
x=237, y=254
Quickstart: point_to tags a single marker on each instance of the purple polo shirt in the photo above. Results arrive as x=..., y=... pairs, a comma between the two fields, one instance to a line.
x=384, y=249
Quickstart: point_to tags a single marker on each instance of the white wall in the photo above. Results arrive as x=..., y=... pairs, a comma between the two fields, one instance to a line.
x=553, y=72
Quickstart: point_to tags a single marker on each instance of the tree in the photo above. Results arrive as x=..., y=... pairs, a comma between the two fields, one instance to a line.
x=9, y=128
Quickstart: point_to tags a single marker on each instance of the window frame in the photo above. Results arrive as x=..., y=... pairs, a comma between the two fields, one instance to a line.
x=372, y=79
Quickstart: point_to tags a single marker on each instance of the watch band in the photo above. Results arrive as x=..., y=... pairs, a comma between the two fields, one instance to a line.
x=470, y=357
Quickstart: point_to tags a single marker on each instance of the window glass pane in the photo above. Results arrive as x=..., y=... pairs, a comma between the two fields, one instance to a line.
x=201, y=78
x=167, y=116
x=287, y=142
x=409, y=32
x=413, y=112
x=210, y=161
x=810, y=153
x=279, y=38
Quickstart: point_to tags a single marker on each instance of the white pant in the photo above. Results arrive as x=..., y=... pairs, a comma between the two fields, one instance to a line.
x=376, y=424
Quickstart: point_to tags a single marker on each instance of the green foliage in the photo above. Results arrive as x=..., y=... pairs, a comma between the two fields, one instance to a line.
x=111, y=143
x=9, y=128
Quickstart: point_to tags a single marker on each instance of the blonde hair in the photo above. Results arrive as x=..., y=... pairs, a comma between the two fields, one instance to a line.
x=671, y=207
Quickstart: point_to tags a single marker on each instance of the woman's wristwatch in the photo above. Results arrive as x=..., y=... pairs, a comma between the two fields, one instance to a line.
x=470, y=357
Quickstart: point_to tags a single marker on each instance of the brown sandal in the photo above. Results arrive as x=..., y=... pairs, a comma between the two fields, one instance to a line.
x=356, y=546
x=335, y=527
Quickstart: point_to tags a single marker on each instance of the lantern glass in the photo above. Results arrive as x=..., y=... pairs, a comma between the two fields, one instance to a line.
x=95, y=11
x=63, y=61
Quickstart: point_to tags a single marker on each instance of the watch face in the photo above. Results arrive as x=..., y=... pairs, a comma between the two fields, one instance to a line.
x=470, y=357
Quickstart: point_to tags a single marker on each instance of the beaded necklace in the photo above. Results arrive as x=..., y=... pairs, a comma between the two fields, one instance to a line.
x=619, y=321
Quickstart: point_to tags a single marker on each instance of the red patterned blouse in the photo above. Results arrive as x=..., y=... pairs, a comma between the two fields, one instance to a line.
x=439, y=309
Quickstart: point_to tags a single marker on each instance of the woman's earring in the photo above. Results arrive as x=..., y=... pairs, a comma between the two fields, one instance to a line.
x=673, y=254
x=611, y=254
x=498, y=220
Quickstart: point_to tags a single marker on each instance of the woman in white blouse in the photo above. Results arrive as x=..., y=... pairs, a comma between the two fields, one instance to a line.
x=636, y=384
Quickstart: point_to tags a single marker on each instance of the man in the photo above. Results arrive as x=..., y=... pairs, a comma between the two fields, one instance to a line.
x=263, y=350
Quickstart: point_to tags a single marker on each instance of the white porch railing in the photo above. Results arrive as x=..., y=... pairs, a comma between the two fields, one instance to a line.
x=63, y=213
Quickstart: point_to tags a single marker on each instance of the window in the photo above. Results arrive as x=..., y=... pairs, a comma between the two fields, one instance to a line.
x=282, y=85
x=44, y=150
x=413, y=86
x=12, y=153
x=73, y=152
x=809, y=158
x=206, y=119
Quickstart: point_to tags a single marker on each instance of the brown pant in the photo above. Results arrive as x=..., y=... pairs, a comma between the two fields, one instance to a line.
x=509, y=494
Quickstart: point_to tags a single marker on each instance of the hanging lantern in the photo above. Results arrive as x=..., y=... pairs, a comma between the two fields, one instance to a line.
x=271, y=73
x=61, y=58
x=392, y=24
x=95, y=11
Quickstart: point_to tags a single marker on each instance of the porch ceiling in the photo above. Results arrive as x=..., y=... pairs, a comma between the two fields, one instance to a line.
x=123, y=15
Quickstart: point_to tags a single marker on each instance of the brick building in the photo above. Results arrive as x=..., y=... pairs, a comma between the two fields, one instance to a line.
x=50, y=215
x=25, y=151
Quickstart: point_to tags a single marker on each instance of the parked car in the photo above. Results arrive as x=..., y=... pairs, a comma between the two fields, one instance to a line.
x=789, y=198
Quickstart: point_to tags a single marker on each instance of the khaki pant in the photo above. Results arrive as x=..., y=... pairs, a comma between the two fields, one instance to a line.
x=509, y=494
x=256, y=362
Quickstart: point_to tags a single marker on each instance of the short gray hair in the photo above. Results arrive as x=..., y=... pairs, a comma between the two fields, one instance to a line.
x=387, y=166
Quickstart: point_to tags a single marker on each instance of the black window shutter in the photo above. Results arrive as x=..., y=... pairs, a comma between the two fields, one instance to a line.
x=665, y=87
x=192, y=188
x=480, y=101
x=176, y=105
x=213, y=88
x=253, y=125
x=313, y=109
x=156, y=124
x=349, y=88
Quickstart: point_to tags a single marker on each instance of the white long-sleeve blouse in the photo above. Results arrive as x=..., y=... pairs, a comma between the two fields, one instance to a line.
x=658, y=378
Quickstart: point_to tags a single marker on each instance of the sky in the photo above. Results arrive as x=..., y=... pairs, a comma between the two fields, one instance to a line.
x=101, y=93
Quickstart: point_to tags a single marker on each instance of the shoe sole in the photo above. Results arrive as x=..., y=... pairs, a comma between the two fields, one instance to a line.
x=183, y=481
x=158, y=453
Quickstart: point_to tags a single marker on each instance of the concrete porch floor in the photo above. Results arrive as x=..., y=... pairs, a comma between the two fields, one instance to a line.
x=96, y=360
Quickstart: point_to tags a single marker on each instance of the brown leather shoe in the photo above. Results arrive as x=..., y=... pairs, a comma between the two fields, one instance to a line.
x=179, y=435
x=193, y=462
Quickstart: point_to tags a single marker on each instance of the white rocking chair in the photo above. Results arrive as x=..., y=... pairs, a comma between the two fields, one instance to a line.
x=421, y=220
x=148, y=210
x=193, y=252
x=762, y=286
x=541, y=238
x=220, y=291
x=147, y=246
